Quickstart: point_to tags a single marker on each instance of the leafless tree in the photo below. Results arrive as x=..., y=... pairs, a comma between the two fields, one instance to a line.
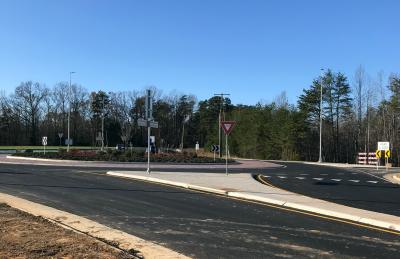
x=27, y=100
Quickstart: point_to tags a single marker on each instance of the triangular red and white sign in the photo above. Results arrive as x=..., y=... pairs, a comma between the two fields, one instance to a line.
x=228, y=126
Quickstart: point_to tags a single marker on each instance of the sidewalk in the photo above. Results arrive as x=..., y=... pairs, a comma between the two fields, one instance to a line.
x=392, y=177
x=244, y=186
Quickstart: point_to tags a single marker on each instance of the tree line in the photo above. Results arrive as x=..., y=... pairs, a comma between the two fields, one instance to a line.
x=354, y=117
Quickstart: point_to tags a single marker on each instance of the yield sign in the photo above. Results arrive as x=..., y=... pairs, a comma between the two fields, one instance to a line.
x=227, y=126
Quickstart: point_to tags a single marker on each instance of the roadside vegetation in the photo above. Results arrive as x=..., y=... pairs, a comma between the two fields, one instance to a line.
x=122, y=156
x=356, y=113
x=39, y=147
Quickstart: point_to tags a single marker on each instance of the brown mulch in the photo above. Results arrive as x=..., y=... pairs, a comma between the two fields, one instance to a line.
x=23, y=235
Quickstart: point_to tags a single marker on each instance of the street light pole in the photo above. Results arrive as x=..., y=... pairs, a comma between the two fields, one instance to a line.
x=320, y=119
x=102, y=127
x=219, y=121
x=69, y=108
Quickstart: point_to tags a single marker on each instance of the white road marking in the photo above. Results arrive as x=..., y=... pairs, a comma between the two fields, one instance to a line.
x=356, y=181
x=282, y=177
x=301, y=178
x=381, y=178
x=337, y=180
x=267, y=176
x=372, y=181
x=318, y=179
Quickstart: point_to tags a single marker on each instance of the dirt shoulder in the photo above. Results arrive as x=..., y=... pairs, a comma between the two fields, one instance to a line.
x=23, y=235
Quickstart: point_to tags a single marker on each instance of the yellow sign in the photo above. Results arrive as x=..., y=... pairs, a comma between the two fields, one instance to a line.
x=378, y=153
x=387, y=153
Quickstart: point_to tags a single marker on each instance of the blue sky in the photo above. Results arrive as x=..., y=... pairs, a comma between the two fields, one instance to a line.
x=251, y=49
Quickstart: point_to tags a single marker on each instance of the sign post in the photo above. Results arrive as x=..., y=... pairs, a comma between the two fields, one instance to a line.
x=378, y=156
x=384, y=151
x=215, y=149
x=60, y=135
x=387, y=155
x=149, y=123
x=44, y=143
x=227, y=126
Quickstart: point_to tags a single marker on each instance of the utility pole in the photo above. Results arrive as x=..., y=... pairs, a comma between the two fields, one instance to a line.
x=69, y=109
x=221, y=95
x=320, y=118
x=185, y=120
x=149, y=117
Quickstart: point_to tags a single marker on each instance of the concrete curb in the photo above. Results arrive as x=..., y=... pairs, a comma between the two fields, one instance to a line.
x=46, y=160
x=341, y=165
x=251, y=197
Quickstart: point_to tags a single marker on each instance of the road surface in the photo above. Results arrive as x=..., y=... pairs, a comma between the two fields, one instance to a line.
x=360, y=188
x=196, y=224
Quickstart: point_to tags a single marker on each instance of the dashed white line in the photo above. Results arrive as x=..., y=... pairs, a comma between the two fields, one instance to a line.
x=282, y=177
x=318, y=179
x=301, y=178
x=356, y=181
x=336, y=180
x=380, y=178
x=372, y=181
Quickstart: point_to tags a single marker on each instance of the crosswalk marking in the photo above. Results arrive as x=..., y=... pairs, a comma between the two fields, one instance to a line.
x=317, y=178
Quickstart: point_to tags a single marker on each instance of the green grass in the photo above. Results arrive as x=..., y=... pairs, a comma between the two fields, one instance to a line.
x=41, y=147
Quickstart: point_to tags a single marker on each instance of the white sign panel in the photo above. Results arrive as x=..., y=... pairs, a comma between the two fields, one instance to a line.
x=44, y=141
x=383, y=145
x=142, y=122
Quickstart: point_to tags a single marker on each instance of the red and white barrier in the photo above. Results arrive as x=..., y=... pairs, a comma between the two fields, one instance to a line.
x=367, y=158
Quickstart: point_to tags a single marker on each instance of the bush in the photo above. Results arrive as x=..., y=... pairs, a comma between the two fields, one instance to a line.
x=122, y=156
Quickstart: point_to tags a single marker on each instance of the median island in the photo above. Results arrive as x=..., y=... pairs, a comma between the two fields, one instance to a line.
x=124, y=156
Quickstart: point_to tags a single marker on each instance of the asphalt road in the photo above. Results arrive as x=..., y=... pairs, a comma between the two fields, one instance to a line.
x=196, y=224
x=360, y=188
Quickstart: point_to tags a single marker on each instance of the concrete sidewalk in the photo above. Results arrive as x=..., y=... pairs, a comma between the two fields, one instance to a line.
x=244, y=186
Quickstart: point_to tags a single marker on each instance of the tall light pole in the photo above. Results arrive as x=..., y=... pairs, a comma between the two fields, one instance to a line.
x=69, y=108
x=219, y=120
x=102, y=127
x=320, y=118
